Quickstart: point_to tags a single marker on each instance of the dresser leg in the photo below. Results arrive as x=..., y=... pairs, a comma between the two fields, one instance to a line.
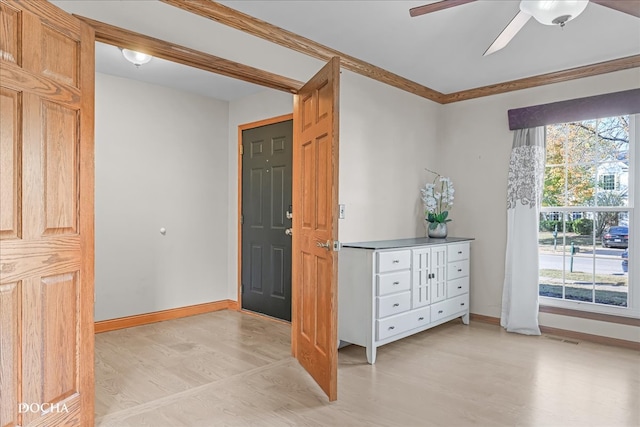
x=371, y=355
x=465, y=319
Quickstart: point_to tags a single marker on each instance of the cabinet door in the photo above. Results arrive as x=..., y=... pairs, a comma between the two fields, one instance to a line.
x=420, y=283
x=438, y=273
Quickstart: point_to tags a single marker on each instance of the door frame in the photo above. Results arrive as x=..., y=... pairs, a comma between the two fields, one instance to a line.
x=241, y=128
x=119, y=37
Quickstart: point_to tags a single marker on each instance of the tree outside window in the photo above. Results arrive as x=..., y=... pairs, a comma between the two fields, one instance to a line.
x=586, y=191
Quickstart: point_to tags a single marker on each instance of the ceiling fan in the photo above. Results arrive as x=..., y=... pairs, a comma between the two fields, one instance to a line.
x=548, y=12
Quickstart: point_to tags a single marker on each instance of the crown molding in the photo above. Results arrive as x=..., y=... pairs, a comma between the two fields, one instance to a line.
x=227, y=16
x=545, y=79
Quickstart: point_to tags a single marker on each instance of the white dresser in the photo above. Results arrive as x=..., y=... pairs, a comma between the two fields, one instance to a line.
x=390, y=289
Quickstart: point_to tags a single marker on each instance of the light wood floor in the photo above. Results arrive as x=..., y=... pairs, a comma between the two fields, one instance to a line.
x=233, y=369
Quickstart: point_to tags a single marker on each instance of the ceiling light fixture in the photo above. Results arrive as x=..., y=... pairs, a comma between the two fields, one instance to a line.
x=136, y=58
x=553, y=12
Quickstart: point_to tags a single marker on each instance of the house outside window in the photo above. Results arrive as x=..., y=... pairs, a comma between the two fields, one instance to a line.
x=588, y=205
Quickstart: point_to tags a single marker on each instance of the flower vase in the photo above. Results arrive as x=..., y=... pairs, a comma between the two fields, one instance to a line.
x=439, y=232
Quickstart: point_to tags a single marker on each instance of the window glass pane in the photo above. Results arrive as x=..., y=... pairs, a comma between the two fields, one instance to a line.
x=611, y=282
x=581, y=185
x=613, y=185
x=555, y=139
x=613, y=140
x=551, y=249
x=582, y=142
x=612, y=229
x=554, y=186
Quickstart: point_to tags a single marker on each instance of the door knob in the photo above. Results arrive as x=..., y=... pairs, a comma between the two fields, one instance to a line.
x=288, y=231
x=327, y=245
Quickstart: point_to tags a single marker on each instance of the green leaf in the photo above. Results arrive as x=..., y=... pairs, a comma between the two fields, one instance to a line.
x=444, y=215
x=433, y=225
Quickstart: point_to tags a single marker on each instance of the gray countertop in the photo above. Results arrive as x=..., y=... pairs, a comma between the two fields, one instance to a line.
x=404, y=243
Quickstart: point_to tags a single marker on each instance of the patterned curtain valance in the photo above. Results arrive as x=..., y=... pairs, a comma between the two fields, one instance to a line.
x=592, y=107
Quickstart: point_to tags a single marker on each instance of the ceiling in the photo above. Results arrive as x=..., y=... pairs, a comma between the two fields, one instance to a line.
x=441, y=50
x=109, y=60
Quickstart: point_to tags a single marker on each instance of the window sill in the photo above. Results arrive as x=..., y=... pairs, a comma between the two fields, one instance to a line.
x=610, y=318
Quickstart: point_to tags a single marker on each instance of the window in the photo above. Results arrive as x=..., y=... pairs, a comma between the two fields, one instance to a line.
x=608, y=182
x=586, y=222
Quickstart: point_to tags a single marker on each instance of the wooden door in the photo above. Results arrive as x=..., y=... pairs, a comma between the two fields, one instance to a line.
x=267, y=161
x=46, y=217
x=315, y=227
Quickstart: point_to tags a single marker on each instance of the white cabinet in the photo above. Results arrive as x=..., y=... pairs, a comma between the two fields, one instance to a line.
x=389, y=290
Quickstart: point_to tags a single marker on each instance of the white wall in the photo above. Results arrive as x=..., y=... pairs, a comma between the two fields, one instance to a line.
x=476, y=144
x=161, y=161
x=387, y=139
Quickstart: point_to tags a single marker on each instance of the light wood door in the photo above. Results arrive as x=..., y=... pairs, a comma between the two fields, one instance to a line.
x=46, y=217
x=315, y=223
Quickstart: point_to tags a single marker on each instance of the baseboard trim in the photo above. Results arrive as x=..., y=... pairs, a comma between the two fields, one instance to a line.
x=615, y=342
x=159, y=316
x=485, y=319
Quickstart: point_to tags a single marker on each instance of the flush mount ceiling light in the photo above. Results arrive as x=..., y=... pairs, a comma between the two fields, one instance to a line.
x=553, y=12
x=136, y=58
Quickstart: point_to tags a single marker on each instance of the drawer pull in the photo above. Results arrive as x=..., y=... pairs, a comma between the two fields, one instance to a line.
x=391, y=327
x=396, y=305
x=420, y=318
x=439, y=311
x=459, y=252
x=459, y=287
x=461, y=304
x=459, y=270
x=396, y=261
x=396, y=283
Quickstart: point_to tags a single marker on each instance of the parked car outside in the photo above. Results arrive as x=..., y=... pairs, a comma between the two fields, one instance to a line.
x=625, y=261
x=616, y=237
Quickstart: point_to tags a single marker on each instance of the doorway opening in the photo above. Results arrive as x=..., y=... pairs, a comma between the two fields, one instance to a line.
x=265, y=212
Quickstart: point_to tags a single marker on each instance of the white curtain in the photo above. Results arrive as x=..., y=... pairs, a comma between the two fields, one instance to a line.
x=526, y=174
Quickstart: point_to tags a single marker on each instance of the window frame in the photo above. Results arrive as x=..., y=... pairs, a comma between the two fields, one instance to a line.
x=633, y=290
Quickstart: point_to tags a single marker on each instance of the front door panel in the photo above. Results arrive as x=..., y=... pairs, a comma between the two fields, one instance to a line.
x=266, y=198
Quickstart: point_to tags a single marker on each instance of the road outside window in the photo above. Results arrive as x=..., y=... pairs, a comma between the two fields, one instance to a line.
x=584, y=222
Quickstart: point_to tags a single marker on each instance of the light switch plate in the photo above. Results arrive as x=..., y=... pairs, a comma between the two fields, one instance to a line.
x=340, y=211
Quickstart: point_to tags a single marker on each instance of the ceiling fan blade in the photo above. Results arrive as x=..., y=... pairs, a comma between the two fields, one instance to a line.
x=632, y=7
x=508, y=33
x=434, y=7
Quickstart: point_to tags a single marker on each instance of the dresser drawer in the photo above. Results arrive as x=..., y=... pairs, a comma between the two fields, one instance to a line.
x=402, y=322
x=457, y=269
x=457, y=287
x=393, y=260
x=449, y=307
x=394, y=325
x=393, y=304
x=420, y=317
x=393, y=282
x=458, y=252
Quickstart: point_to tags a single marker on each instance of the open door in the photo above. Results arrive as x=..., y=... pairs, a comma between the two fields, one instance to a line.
x=315, y=227
x=46, y=216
